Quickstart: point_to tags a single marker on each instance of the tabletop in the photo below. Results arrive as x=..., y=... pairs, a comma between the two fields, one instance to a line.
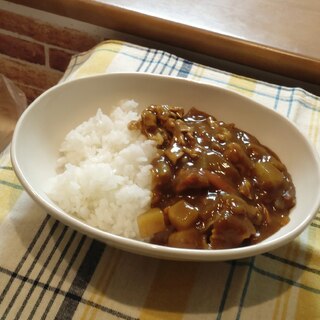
x=275, y=36
x=50, y=271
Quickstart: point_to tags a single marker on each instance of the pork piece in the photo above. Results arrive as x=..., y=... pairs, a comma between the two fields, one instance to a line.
x=230, y=231
x=190, y=178
x=237, y=155
x=161, y=124
x=161, y=172
x=162, y=237
x=190, y=238
x=193, y=178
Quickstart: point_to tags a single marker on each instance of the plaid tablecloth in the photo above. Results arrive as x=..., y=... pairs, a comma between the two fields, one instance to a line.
x=49, y=271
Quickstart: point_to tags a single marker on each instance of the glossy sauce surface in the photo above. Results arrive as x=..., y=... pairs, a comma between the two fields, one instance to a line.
x=215, y=185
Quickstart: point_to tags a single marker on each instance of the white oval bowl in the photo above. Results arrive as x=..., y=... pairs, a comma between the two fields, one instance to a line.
x=43, y=126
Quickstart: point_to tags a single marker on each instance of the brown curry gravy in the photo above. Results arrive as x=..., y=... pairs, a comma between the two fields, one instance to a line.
x=216, y=185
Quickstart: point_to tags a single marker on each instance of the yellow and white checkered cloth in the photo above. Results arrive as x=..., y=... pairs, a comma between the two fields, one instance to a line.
x=49, y=271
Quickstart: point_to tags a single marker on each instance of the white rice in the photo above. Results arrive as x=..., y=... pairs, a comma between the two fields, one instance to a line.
x=105, y=174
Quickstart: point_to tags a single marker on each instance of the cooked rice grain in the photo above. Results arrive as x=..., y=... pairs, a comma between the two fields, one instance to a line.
x=105, y=176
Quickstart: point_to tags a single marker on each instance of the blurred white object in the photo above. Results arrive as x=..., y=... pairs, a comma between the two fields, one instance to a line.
x=12, y=103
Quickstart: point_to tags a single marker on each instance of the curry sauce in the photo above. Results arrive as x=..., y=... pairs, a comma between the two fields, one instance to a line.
x=214, y=186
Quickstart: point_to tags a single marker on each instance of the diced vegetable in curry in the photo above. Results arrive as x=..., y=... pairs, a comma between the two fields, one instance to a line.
x=214, y=186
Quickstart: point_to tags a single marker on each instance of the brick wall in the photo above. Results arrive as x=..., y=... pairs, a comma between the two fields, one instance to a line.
x=35, y=53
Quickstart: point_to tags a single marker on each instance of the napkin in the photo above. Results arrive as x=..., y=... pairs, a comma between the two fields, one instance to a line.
x=49, y=271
